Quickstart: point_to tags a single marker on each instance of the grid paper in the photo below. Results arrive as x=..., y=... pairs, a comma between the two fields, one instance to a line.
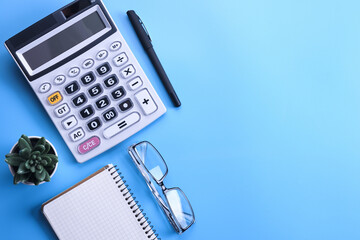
x=95, y=210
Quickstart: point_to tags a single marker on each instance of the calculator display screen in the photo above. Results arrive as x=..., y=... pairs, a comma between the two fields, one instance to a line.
x=64, y=40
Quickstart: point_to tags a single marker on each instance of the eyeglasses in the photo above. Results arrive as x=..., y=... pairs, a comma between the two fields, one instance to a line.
x=172, y=201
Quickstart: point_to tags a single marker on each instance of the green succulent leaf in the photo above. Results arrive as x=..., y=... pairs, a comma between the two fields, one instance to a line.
x=32, y=169
x=26, y=139
x=21, y=177
x=27, y=164
x=35, y=153
x=41, y=141
x=53, y=158
x=23, y=144
x=22, y=169
x=39, y=148
x=40, y=175
x=47, y=148
x=17, y=178
x=25, y=153
x=12, y=155
x=14, y=160
x=36, y=181
x=47, y=176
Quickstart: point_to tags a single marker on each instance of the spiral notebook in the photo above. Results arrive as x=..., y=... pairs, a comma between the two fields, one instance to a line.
x=98, y=207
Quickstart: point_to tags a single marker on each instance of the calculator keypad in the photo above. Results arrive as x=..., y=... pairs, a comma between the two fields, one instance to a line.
x=62, y=110
x=55, y=98
x=70, y=122
x=73, y=72
x=88, y=78
x=111, y=81
x=72, y=88
x=79, y=100
x=59, y=79
x=97, y=99
x=102, y=102
x=120, y=59
x=45, y=87
x=125, y=105
x=118, y=93
x=103, y=69
x=87, y=112
x=94, y=124
x=95, y=90
x=109, y=115
x=128, y=71
x=77, y=135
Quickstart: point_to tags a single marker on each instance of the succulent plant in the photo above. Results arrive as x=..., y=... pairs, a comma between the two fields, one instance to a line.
x=32, y=163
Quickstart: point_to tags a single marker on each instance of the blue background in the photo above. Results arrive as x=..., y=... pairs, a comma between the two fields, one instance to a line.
x=266, y=144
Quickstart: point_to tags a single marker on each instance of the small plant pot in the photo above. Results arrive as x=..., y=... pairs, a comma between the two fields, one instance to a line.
x=33, y=140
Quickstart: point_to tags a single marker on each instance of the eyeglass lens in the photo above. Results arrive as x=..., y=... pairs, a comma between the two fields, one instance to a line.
x=152, y=160
x=180, y=206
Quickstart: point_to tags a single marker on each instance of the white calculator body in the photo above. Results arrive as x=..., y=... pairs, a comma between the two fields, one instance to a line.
x=86, y=77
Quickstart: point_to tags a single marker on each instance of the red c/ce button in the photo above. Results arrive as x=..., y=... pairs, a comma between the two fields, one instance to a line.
x=89, y=145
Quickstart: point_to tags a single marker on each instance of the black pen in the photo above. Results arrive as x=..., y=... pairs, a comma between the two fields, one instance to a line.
x=145, y=40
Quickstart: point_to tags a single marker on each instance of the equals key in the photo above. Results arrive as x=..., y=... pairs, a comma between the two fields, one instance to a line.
x=135, y=83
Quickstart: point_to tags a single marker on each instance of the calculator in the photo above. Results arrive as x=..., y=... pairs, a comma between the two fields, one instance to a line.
x=86, y=77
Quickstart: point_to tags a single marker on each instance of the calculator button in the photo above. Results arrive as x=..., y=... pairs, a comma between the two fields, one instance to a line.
x=111, y=81
x=121, y=125
x=118, y=93
x=45, y=87
x=126, y=105
x=59, y=79
x=94, y=124
x=72, y=87
x=62, y=110
x=102, y=102
x=128, y=71
x=55, y=98
x=146, y=102
x=115, y=46
x=135, y=83
x=120, y=59
x=88, y=63
x=109, y=115
x=87, y=112
x=77, y=134
x=95, y=90
x=89, y=145
x=102, y=55
x=69, y=123
x=73, y=72
x=79, y=100
x=103, y=69
x=88, y=78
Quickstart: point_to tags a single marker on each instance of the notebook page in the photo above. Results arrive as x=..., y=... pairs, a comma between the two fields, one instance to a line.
x=94, y=210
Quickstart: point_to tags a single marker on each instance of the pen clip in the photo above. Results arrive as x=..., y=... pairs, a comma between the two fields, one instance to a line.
x=146, y=31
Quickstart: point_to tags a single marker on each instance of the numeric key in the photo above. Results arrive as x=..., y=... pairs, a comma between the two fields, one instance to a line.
x=88, y=78
x=102, y=102
x=111, y=81
x=79, y=100
x=72, y=88
x=103, y=69
x=87, y=112
x=95, y=90
x=109, y=115
x=94, y=124
x=118, y=93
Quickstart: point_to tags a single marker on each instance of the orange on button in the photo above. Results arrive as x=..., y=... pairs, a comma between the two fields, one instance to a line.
x=55, y=98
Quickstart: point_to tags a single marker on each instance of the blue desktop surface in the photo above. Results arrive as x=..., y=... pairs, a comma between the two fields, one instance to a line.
x=266, y=143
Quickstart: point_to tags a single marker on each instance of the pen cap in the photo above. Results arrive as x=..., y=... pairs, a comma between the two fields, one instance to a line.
x=140, y=29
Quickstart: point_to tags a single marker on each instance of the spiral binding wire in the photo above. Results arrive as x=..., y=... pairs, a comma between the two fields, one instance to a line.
x=138, y=213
